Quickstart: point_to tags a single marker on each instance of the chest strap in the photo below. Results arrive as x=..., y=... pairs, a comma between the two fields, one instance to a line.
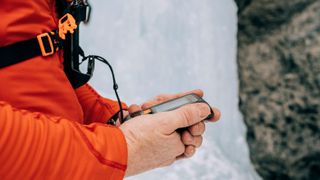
x=45, y=44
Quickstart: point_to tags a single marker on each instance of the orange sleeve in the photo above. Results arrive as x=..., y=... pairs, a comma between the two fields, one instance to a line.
x=95, y=107
x=36, y=146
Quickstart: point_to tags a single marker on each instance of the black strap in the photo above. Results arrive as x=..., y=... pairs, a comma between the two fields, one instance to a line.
x=19, y=52
x=24, y=50
x=61, y=6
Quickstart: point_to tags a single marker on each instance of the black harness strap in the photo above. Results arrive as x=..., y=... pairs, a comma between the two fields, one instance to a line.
x=66, y=37
x=19, y=52
x=44, y=45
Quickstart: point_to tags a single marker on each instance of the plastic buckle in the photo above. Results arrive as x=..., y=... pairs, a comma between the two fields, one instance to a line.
x=66, y=24
x=42, y=46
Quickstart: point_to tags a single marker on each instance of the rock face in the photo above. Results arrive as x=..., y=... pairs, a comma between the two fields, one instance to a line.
x=279, y=70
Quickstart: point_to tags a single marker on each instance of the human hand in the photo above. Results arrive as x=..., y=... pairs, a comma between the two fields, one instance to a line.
x=152, y=139
x=125, y=113
x=191, y=136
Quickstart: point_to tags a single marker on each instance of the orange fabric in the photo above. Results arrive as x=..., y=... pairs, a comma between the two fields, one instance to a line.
x=36, y=146
x=51, y=142
x=95, y=107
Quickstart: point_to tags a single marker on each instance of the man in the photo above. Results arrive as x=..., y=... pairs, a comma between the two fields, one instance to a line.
x=51, y=131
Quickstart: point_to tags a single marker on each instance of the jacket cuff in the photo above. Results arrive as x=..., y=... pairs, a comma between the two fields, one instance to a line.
x=111, y=149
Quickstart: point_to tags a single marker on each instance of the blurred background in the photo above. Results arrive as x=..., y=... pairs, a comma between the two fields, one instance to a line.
x=171, y=46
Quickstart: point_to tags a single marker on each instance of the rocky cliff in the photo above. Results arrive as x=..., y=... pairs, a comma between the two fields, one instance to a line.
x=279, y=70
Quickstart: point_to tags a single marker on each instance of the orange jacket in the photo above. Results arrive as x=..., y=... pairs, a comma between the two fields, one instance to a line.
x=42, y=131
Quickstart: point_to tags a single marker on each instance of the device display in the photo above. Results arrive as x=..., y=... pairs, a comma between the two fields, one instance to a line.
x=172, y=105
x=175, y=103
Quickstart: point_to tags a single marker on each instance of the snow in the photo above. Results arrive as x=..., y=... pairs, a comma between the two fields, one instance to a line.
x=170, y=46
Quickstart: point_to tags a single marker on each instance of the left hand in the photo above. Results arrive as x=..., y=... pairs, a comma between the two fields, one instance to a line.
x=118, y=121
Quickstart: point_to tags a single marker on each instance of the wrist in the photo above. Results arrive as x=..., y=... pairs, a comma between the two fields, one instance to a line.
x=133, y=164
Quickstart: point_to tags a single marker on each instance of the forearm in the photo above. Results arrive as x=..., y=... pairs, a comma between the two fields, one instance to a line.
x=35, y=146
x=96, y=108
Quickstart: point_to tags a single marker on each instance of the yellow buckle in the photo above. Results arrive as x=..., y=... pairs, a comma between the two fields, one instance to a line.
x=42, y=47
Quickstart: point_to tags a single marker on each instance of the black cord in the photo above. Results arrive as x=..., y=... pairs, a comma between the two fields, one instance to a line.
x=115, y=85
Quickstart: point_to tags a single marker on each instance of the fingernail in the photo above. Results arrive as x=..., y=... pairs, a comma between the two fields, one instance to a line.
x=191, y=152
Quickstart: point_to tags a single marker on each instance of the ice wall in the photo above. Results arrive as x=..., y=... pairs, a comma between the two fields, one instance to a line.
x=169, y=46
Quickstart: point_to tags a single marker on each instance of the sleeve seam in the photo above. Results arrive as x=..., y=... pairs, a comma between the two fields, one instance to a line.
x=99, y=157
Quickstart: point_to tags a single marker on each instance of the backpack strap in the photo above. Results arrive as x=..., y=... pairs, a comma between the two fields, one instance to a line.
x=45, y=44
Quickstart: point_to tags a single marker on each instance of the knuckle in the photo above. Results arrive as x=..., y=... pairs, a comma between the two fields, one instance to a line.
x=186, y=137
x=187, y=115
x=197, y=129
x=201, y=127
x=194, y=129
x=203, y=109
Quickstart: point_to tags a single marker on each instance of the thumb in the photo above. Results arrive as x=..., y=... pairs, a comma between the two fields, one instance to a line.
x=187, y=115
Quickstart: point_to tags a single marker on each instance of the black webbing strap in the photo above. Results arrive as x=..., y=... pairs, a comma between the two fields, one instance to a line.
x=18, y=52
x=44, y=45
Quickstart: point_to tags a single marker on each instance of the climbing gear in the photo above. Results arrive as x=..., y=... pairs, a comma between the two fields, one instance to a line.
x=66, y=24
x=80, y=11
x=66, y=37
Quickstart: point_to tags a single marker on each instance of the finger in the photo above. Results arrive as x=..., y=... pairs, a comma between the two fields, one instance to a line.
x=134, y=108
x=188, y=139
x=165, y=97
x=197, y=141
x=217, y=115
x=125, y=113
x=189, y=152
x=186, y=116
x=119, y=120
x=179, y=147
x=197, y=129
x=118, y=123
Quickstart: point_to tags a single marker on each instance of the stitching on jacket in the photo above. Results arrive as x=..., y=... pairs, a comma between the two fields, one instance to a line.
x=34, y=114
x=100, y=158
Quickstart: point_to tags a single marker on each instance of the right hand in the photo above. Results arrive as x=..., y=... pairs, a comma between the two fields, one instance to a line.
x=152, y=139
x=191, y=136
